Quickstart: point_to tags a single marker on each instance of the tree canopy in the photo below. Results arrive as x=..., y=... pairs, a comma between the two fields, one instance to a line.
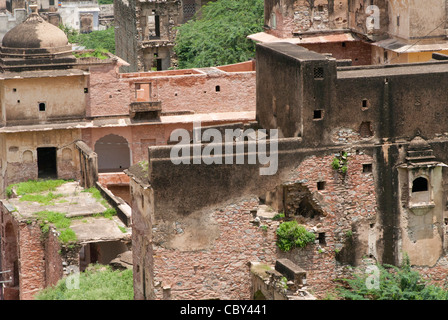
x=219, y=36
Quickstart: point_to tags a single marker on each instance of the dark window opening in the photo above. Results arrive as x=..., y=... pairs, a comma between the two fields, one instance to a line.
x=420, y=185
x=51, y=2
x=18, y=101
x=317, y=115
x=367, y=168
x=157, y=21
x=218, y=88
x=320, y=8
x=42, y=106
x=321, y=185
x=398, y=21
x=86, y=90
x=14, y=90
x=365, y=104
x=343, y=44
x=318, y=73
x=46, y=163
x=321, y=238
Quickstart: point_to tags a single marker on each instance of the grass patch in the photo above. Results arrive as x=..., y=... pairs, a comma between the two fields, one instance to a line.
x=109, y=212
x=60, y=222
x=43, y=199
x=34, y=186
x=98, y=282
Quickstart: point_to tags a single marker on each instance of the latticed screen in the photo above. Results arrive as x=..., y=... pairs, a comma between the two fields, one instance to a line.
x=189, y=9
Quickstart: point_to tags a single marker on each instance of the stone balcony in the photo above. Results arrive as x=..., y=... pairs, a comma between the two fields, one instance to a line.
x=145, y=110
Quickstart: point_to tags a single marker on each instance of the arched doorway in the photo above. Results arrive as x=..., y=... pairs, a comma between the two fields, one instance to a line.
x=113, y=153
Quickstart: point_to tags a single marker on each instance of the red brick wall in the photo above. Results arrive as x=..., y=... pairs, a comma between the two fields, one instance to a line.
x=345, y=201
x=53, y=260
x=222, y=271
x=31, y=260
x=359, y=52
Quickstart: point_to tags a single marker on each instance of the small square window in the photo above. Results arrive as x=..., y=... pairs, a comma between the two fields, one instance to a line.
x=367, y=168
x=318, y=73
x=317, y=114
x=321, y=185
x=42, y=106
x=218, y=88
x=14, y=90
x=321, y=238
x=86, y=90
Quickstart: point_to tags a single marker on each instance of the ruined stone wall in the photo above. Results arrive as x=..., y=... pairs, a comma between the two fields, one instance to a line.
x=210, y=260
x=359, y=52
x=286, y=18
x=126, y=35
x=347, y=229
x=53, y=260
x=31, y=261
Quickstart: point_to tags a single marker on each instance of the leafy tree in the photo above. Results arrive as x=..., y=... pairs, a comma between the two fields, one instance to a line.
x=219, y=37
x=394, y=283
x=100, y=39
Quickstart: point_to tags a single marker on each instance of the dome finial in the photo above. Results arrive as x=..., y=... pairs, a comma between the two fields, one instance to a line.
x=33, y=6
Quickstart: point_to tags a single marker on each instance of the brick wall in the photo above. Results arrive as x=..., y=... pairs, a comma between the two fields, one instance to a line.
x=222, y=271
x=359, y=52
x=31, y=260
x=349, y=204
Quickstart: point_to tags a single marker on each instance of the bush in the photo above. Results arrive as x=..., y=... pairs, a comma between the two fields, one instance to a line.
x=96, y=283
x=394, y=283
x=290, y=235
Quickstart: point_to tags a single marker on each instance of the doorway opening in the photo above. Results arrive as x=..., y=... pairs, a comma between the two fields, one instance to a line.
x=46, y=163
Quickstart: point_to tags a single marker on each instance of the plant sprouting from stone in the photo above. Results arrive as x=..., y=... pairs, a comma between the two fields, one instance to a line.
x=340, y=161
x=291, y=235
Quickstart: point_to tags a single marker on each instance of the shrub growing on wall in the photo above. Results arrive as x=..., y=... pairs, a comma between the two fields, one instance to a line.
x=291, y=235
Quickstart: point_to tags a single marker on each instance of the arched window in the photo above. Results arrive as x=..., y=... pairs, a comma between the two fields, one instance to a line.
x=420, y=185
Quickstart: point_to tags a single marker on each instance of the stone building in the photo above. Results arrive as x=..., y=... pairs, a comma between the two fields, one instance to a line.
x=367, y=32
x=145, y=31
x=66, y=115
x=201, y=236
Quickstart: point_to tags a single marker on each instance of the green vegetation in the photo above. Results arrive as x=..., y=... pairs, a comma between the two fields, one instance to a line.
x=100, y=39
x=394, y=283
x=44, y=199
x=290, y=235
x=60, y=222
x=219, y=37
x=279, y=216
x=340, y=162
x=96, y=53
x=105, y=1
x=34, y=186
x=98, y=282
x=41, y=192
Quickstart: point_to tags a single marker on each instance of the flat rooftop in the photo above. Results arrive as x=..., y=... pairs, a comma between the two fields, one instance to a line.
x=86, y=210
x=430, y=67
